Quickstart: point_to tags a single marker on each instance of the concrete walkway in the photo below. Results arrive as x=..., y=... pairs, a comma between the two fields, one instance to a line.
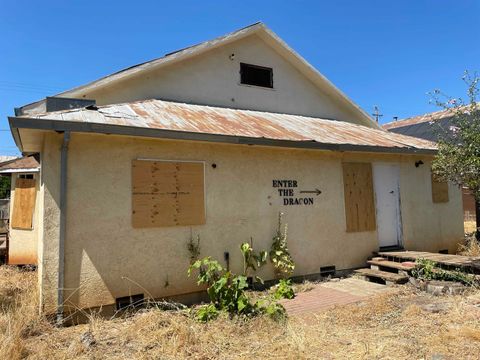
x=331, y=293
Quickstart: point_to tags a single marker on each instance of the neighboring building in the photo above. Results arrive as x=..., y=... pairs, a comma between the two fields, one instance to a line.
x=429, y=126
x=5, y=158
x=215, y=140
x=22, y=218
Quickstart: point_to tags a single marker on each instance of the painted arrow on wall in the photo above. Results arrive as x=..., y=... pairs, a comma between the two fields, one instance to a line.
x=316, y=191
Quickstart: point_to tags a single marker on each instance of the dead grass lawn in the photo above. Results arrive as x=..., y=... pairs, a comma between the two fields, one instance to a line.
x=398, y=325
x=469, y=226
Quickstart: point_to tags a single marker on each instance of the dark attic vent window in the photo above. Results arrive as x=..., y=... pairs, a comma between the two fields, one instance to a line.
x=256, y=75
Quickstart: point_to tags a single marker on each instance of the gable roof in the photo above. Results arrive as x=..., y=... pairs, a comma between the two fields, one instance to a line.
x=170, y=120
x=258, y=29
x=6, y=158
x=427, y=126
x=433, y=116
x=23, y=164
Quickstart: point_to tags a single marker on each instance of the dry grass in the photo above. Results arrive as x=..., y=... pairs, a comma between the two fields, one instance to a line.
x=470, y=227
x=470, y=247
x=19, y=315
x=399, y=325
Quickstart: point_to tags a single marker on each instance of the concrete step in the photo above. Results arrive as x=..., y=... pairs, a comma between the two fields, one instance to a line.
x=386, y=249
x=382, y=276
x=384, y=264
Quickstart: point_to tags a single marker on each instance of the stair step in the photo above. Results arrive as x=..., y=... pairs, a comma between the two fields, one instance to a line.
x=388, y=277
x=391, y=248
x=407, y=266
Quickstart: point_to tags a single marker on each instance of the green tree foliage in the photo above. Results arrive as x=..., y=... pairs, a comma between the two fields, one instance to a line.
x=458, y=158
x=5, y=187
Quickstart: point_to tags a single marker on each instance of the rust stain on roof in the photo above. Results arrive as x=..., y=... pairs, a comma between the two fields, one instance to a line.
x=165, y=115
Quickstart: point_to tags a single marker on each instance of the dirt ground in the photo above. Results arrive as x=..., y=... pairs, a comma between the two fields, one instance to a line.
x=398, y=324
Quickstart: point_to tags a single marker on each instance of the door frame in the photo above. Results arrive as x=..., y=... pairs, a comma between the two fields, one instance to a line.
x=399, y=220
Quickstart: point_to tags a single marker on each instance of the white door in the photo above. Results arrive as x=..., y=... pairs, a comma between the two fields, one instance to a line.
x=386, y=179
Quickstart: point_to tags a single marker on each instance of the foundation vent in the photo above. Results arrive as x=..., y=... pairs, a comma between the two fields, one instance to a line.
x=131, y=301
x=327, y=270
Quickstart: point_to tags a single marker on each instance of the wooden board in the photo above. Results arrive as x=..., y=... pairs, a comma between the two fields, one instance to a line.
x=439, y=191
x=359, y=198
x=23, y=204
x=167, y=193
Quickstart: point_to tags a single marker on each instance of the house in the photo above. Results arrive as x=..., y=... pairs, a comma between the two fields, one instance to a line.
x=427, y=127
x=20, y=232
x=4, y=201
x=215, y=140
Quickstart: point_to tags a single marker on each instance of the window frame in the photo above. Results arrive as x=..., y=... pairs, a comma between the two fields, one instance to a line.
x=247, y=65
x=26, y=176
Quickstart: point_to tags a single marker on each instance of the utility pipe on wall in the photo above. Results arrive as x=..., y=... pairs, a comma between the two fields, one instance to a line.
x=63, y=219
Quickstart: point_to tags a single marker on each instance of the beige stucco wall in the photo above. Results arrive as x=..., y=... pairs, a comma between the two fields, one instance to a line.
x=106, y=258
x=213, y=79
x=23, y=243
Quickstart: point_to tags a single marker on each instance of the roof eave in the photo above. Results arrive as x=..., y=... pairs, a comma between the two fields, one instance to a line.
x=84, y=127
x=25, y=170
x=15, y=134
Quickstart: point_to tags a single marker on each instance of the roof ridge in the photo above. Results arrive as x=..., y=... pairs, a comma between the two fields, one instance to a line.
x=216, y=39
x=258, y=28
x=418, y=119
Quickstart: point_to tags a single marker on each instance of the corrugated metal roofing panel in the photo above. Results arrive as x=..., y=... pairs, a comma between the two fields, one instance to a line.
x=165, y=115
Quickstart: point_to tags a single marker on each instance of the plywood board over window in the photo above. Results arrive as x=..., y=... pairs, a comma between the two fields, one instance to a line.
x=439, y=191
x=359, y=197
x=24, y=204
x=167, y=193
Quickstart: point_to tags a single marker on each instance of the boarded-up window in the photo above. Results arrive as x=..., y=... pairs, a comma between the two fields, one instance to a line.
x=359, y=199
x=23, y=203
x=167, y=193
x=439, y=191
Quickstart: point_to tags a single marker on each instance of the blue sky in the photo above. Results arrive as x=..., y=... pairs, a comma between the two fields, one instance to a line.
x=386, y=53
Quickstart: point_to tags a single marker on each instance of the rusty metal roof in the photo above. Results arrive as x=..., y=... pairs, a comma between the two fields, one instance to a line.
x=200, y=119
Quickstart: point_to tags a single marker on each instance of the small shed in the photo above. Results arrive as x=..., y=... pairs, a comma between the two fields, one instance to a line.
x=19, y=212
